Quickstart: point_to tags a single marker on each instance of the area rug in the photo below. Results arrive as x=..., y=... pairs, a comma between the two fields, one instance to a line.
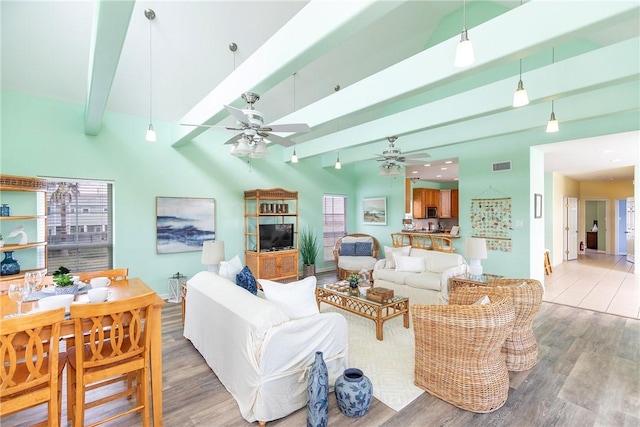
x=388, y=363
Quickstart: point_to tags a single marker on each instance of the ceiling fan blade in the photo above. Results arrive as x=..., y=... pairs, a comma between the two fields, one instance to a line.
x=416, y=155
x=238, y=115
x=212, y=126
x=279, y=140
x=291, y=127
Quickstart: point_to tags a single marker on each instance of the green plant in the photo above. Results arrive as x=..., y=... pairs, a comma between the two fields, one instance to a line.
x=61, y=277
x=353, y=279
x=309, y=248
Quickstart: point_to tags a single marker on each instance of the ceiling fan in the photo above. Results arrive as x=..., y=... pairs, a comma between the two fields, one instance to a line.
x=392, y=158
x=253, y=132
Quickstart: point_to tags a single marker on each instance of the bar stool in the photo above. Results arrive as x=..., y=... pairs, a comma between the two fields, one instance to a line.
x=547, y=262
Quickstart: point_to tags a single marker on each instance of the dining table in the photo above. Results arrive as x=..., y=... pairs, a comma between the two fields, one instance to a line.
x=118, y=289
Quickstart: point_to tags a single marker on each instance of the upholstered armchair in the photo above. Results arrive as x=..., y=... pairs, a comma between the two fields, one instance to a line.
x=520, y=347
x=354, y=252
x=458, y=352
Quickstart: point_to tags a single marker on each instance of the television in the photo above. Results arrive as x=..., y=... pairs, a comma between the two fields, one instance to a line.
x=276, y=237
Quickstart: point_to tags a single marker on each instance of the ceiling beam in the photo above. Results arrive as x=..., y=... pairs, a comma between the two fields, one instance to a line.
x=316, y=29
x=429, y=69
x=110, y=25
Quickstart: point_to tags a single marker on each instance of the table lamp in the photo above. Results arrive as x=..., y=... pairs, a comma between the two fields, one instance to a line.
x=213, y=254
x=475, y=249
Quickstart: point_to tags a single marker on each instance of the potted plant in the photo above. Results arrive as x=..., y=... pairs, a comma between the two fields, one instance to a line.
x=353, y=280
x=309, y=250
x=64, y=281
x=1, y=241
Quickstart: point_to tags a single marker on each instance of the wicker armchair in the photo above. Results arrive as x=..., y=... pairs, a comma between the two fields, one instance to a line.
x=458, y=357
x=346, y=265
x=521, y=347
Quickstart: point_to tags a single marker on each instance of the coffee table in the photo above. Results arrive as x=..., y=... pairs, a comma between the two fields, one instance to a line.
x=378, y=312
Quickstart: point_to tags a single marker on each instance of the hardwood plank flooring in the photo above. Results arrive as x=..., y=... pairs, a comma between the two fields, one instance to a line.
x=588, y=374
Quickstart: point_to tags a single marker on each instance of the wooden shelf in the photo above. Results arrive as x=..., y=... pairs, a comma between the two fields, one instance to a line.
x=21, y=217
x=10, y=248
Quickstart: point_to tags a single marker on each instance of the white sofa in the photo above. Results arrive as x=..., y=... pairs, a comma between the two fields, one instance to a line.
x=420, y=274
x=259, y=354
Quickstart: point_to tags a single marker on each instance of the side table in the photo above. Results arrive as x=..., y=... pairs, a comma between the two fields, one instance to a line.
x=469, y=280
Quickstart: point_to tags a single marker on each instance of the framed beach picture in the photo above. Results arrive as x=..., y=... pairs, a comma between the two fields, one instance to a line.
x=374, y=211
x=183, y=223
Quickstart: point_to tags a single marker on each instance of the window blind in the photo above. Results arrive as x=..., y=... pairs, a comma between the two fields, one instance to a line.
x=334, y=213
x=80, y=225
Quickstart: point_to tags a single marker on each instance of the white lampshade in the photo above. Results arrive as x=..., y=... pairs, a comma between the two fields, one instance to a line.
x=520, y=97
x=259, y=150
x=552, y=125
x=213, y=254
x=241, y=148
x=464, y=51
x=475, y=249
x=151, y=134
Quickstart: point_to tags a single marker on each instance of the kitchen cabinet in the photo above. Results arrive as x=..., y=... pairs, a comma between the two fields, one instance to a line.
x=455, y=211
x=423, y=198
x=448, y=204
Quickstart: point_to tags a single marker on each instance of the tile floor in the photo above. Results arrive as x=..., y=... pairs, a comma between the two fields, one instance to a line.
x=595, y=281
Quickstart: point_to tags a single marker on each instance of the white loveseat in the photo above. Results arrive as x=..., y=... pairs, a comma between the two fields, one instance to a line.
x=258, y=352
x=420, y=274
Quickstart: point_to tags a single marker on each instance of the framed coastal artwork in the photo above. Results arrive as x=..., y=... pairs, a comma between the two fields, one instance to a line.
x=374, y=211
x=183, y=223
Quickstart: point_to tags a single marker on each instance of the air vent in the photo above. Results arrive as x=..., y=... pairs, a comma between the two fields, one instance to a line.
x=501, y=166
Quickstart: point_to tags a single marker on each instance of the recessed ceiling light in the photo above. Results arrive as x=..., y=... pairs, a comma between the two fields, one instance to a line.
x=414, y=172
x=427, y=164
x=455, y=179
x=438, y=176
x=614, y=160
x=443, y=169
x=448, y=162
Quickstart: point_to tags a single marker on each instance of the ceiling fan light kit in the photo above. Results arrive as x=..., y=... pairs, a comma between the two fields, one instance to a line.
x=392, y=158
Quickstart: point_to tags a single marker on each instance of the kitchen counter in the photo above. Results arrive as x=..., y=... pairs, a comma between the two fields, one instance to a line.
x=430, y=233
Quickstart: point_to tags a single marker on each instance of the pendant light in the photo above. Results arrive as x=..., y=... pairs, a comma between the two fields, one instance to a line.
x=464, y=51
x=520, y=97
x=338, y=165
x=151, y=134
x=294, y=156
x=552, y=125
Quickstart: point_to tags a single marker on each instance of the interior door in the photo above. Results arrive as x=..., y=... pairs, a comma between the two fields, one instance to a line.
x=571, y=228
x=631, y=229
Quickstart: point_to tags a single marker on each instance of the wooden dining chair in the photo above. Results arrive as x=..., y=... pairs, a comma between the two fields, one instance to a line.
x=113, y=274
x=442, y=244
x=116, y=349
x=31, y=364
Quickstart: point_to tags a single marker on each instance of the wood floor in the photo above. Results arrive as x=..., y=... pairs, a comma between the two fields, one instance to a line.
x=588, y=374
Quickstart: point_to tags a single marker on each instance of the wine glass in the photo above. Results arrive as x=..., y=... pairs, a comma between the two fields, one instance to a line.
x=18, y=293
x=33, y=279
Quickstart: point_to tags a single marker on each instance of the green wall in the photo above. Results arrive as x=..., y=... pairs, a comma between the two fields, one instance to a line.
x=42, y=137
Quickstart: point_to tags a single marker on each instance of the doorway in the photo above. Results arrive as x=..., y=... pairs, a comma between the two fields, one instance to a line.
x=595, y=222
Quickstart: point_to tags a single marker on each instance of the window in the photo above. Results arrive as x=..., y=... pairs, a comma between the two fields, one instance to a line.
x=334, y=213
x=80, y=225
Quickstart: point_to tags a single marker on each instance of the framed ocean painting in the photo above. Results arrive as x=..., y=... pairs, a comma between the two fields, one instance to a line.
x=183, y=223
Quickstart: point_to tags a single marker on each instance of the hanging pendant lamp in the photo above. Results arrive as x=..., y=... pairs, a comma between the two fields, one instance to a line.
x=520, y=97
x=552, y=124
x=464, y=50
x=338, y=164
x=151, y=133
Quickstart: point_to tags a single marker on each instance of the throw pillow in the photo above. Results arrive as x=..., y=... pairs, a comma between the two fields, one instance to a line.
x=347, y=249
x=230, y=269
x=482, y=301
x=410, y=264
x=390, y=262
x=296, y=299
x=364, y=248
x=245, y=279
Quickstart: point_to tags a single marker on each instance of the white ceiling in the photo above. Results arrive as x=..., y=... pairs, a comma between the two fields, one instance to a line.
x=392, y=61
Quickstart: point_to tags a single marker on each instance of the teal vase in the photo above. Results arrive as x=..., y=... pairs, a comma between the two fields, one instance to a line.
x=318, y=393
x=9, y=265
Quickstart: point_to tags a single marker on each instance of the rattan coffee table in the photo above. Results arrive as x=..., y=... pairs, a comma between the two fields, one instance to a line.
x=378, y=312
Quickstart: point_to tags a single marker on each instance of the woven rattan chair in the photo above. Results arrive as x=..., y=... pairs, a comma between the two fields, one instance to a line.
x=521, y=347
x=458, y=357
x=343, y=272
x=32, y=370
x=113, y=274
x=442, y=244
x=421, y=241
x=115, y=349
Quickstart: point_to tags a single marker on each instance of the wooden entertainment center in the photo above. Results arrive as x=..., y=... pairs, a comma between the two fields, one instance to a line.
x=270, y=206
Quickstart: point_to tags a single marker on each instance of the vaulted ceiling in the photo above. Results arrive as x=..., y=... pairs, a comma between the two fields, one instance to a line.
x=363, y=71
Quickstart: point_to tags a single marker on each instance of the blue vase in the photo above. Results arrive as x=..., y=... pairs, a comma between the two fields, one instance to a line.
x=9, y=265
x=318, y=393
x=353, y=392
